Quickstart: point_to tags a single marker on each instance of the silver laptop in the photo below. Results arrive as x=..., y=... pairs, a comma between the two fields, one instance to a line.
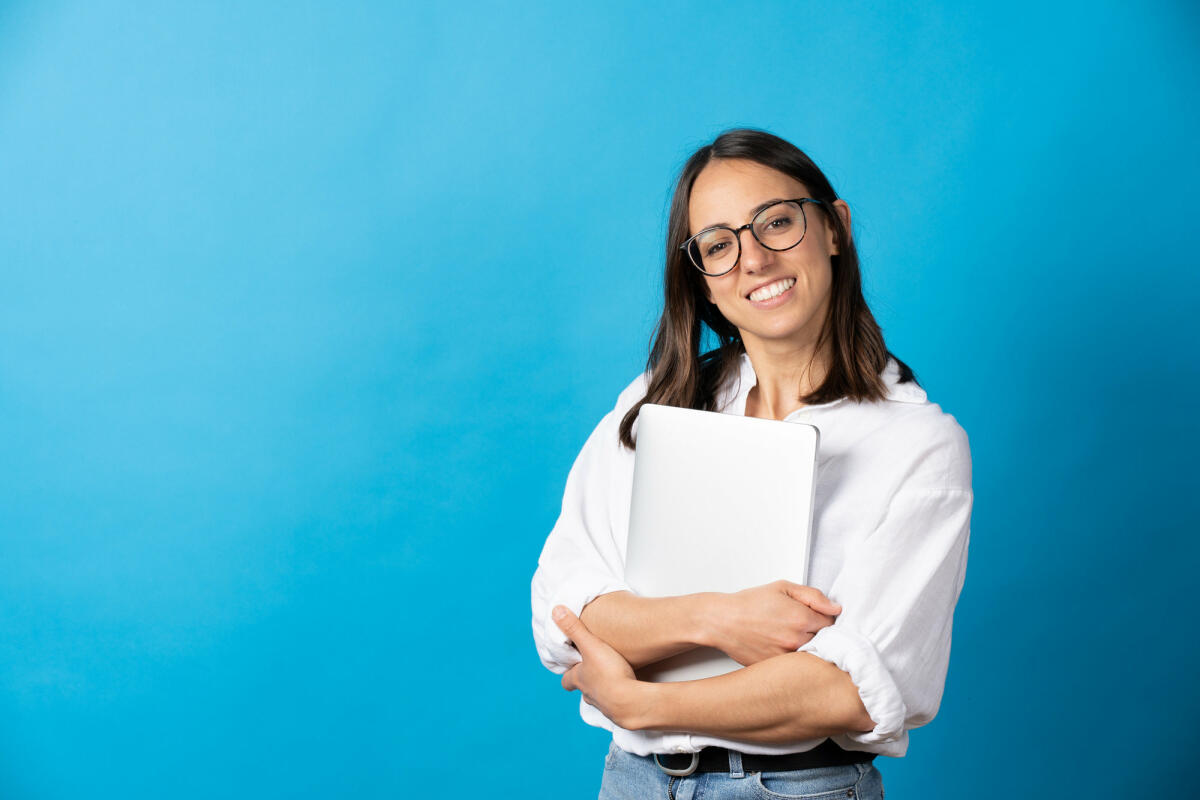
x=720, y=503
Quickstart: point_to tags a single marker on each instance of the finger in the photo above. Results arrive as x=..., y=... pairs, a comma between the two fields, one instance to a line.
x=568, y=680
x=813, y=598
x=573, y=627
x=819, y=621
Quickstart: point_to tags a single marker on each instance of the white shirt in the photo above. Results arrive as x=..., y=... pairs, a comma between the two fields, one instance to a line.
x=890, y=529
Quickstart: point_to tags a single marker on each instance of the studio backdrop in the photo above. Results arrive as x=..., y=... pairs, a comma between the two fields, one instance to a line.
x=306, y=309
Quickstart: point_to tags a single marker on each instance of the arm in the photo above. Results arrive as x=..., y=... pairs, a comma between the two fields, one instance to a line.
x=749, y=626
x=648, y=629
x=785, y=698
x=899, y=586
x=581, y=560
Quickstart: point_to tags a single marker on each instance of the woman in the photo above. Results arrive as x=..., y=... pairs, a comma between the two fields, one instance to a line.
x=759, y=251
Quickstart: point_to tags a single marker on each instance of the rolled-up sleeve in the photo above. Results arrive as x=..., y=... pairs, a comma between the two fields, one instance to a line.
x=898, y=588
x=581, y=559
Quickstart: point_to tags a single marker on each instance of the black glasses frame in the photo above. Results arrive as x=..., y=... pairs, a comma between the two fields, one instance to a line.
x=737, y=235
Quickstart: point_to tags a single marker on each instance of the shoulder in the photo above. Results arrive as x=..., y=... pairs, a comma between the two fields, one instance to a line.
x=629, y=397
x=924, y=442
x=606, y=433
x=633, y=392
x=936, y=443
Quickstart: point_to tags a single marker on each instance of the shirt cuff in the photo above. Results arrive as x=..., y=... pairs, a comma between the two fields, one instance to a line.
x=555, y=652
x=855, y=655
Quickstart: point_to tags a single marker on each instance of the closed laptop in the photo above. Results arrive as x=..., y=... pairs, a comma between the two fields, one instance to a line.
x=720, y=503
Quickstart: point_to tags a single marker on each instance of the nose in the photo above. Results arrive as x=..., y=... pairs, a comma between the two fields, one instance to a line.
x=754, y=256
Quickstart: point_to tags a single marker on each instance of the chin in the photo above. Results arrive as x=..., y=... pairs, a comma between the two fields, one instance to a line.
x=781, y=333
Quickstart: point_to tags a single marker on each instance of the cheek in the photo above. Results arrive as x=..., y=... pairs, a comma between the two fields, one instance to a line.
x=720, y=291
x=818, y=279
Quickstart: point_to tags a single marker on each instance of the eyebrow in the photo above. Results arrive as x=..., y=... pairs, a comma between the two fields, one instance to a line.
x=754, y=212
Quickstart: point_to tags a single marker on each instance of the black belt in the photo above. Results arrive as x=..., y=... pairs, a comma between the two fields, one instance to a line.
x=716, y=759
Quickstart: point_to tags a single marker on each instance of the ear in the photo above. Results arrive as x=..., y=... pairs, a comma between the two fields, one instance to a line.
x=843, y=211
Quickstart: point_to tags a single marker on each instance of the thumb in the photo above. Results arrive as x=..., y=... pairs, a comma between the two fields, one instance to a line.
x=813, y=598
x=573, y=627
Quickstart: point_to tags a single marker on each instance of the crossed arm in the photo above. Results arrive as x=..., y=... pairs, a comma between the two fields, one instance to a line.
x=900, y=580
x=781, y=695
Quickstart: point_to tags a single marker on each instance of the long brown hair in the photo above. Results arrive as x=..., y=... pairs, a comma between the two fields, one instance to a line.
x=680, y=375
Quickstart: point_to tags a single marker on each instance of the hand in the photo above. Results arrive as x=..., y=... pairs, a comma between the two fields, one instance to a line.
x=766, y=621
x=604, y=677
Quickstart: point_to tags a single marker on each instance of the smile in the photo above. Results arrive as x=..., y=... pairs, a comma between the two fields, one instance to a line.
x=771, y=290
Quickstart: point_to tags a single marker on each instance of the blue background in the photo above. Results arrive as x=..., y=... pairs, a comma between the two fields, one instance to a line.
x=305, y=311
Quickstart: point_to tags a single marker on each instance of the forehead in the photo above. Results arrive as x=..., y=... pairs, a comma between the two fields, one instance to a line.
x=727, y=191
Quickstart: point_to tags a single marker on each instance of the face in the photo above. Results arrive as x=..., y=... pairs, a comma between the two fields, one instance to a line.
x=730, y=192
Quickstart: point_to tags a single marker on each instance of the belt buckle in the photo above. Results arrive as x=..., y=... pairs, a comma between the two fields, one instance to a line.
x=680, y=773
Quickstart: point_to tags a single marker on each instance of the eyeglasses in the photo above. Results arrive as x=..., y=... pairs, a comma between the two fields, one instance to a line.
x=779, y=226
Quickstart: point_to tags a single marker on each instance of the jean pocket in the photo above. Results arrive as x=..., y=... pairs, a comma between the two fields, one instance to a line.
x=823, y=783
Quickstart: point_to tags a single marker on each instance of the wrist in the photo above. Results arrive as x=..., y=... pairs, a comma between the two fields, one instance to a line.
x=643, y=704
x=707, y=612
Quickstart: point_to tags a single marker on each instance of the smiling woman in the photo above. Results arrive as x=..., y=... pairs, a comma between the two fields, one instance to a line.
x=760, y=252
x=792, y=281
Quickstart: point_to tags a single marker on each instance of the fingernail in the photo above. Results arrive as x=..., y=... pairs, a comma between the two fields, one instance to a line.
x=559, y=612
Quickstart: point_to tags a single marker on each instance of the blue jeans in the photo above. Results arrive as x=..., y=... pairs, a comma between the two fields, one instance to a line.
x=630, y=777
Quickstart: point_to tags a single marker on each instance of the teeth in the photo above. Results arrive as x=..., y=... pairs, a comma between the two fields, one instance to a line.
x=772, y=289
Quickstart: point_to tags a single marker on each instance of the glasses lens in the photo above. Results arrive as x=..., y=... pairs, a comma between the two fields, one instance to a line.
x=780, y=226
x=714, y=251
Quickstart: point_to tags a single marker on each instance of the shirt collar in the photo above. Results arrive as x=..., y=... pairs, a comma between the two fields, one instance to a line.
x=746, y=380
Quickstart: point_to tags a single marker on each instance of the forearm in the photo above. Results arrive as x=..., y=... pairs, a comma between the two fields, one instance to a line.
x=649, y=629
x=787, y=698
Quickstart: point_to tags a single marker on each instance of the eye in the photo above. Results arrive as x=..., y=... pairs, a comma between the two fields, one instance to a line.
x=715, y=248
x=780, y=222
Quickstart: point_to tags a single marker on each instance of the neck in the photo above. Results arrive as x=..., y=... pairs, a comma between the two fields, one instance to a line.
x=786, y=372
